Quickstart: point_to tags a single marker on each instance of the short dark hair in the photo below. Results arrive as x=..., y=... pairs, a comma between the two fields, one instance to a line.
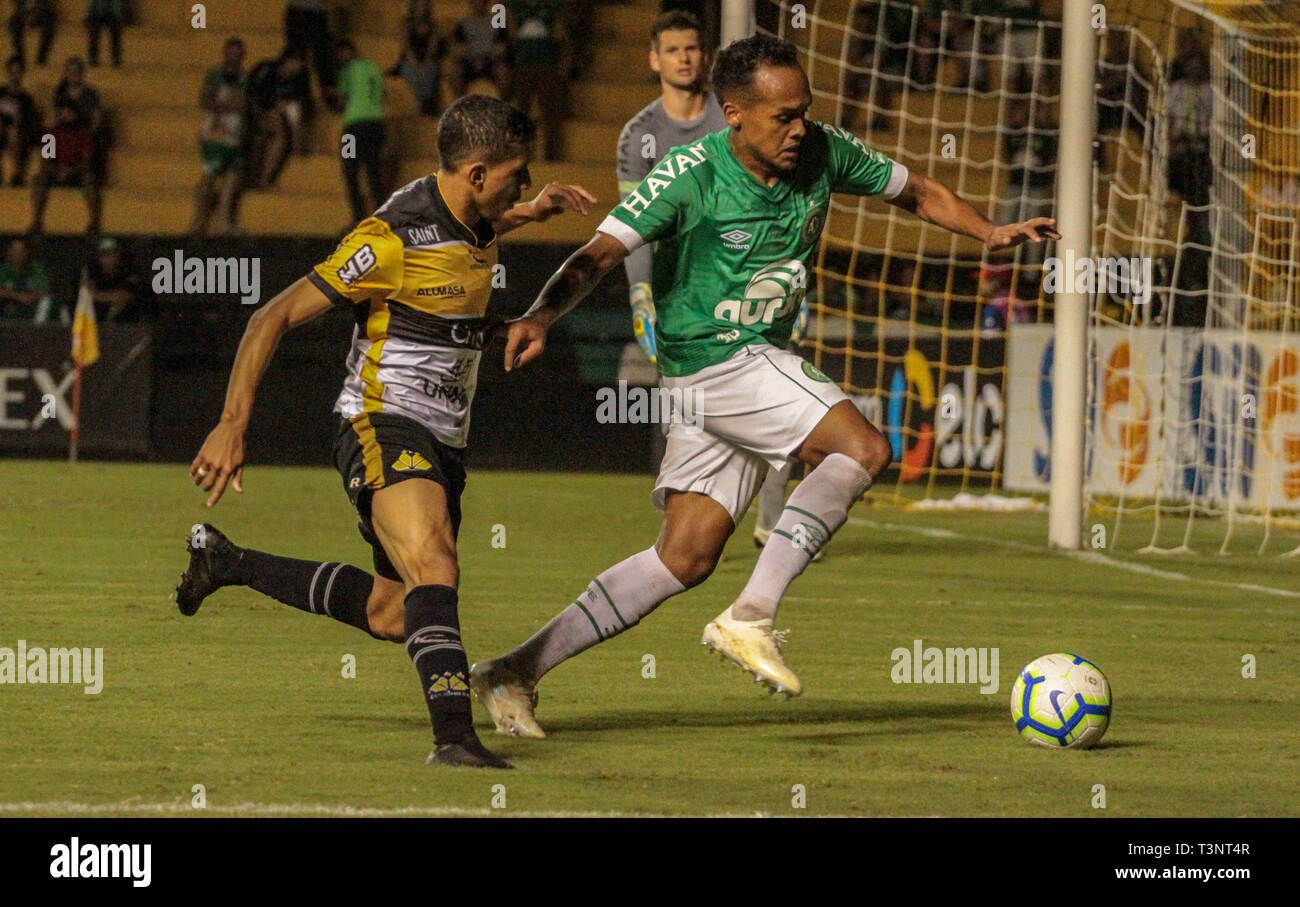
x=674, y=20
x=482, y=126
x=733, y=71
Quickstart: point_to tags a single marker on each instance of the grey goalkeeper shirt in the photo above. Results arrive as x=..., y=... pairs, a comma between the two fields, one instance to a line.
x=645, y=140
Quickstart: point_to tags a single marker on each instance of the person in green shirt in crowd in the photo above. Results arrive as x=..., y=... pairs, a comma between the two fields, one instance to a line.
x=360, y=96
x=221, y=140
x=24, y=287
x=535, y=68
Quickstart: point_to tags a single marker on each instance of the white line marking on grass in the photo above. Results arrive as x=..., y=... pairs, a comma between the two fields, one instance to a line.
x=320, y=809
x=1092, y=557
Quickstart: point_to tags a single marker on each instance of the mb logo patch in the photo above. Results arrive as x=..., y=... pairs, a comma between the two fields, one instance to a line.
x=449, y=684
x=411, y=462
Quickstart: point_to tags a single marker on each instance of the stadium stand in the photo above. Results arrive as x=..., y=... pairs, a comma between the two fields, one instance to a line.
x=153, y=99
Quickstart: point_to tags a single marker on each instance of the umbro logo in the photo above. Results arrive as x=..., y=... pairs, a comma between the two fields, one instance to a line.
x=736, y=239
x=410, y=462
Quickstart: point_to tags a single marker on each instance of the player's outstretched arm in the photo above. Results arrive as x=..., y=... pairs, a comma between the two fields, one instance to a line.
x=936, y=204
x=578, y=276
x=554, y=198
x=221, y=459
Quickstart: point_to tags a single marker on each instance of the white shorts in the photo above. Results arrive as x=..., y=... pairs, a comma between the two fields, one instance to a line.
x=739, y=417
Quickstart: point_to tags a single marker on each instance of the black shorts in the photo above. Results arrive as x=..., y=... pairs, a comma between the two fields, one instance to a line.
x=375, y=450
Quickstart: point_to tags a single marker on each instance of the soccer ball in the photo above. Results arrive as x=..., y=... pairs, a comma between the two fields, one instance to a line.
x=1060, y=701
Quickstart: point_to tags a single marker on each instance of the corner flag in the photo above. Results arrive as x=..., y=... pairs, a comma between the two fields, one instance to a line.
x=85, y=332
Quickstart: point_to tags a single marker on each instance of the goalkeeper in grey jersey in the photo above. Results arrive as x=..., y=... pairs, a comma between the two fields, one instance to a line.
x=683, y=114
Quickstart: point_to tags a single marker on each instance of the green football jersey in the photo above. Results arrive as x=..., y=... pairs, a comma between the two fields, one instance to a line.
x=731, y=265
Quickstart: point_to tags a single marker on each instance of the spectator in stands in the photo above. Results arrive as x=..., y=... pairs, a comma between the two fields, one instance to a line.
x=1030, y=150
x=1024, y=56
x=901, y=290
x=221, y=138
x=78, y=147
x=1121, y=99
x=280, y=103
x=38, y=14
x=972, y=43
x=20, y=123
x=360, y=95
x=579, y=23
x=878, y=59
x=929, y=33
x=24, y=288
x=1001, y=306
x=102, y=14
x=307, y=28
x=421, y=62
x=535, y=59
x=120, y=294
x=1190, y=104
x=481, y=48
x=1188, y=46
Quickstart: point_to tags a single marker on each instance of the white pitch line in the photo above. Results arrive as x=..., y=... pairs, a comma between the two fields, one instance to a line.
x=320, y=809
x=1092, y=557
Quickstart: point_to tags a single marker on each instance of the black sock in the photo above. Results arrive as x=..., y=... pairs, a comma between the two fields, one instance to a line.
x=335, y=590
x=433, y=643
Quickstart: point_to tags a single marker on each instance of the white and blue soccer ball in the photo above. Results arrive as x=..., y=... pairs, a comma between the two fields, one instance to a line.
x=1061, y=701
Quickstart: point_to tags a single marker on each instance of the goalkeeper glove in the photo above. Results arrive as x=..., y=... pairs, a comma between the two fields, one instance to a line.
x=643, y=319
x=800, y=323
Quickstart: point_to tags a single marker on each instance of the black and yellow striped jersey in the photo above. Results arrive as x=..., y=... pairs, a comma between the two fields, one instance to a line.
x=419, y=282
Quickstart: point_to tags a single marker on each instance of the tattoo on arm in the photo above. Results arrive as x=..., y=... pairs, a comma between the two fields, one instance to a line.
x=578, y=276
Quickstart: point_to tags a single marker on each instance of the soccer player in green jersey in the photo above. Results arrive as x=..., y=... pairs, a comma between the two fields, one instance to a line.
x=736, y=217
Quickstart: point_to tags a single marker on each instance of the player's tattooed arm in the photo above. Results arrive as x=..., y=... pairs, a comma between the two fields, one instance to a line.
x=578, y=276
x=936, y=204
x=554, y=198
x=221, y=459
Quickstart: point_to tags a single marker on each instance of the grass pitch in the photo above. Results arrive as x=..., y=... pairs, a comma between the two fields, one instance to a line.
x=248, y=698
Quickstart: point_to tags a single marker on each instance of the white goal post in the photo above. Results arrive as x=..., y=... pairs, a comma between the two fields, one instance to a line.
x=1074, y=220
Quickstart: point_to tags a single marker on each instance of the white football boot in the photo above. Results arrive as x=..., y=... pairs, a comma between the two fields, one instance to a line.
x=509, y=699
x=755, y=647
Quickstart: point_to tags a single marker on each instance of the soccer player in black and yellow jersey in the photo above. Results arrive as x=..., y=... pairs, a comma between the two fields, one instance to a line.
x=416, y=276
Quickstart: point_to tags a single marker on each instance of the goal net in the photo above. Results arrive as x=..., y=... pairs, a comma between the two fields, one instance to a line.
x=1192, y=435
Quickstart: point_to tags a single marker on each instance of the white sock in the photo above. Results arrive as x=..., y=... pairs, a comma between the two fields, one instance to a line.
x=771, y=497
x=614, y=601
x=818, y=507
